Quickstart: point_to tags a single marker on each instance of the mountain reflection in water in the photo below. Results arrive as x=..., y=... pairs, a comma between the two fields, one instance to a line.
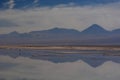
x=24, y=68
x=91, y=57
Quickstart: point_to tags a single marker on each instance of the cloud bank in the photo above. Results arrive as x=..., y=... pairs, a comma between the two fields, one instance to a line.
x=65, y=16
x=7, y=23
x=28, y=69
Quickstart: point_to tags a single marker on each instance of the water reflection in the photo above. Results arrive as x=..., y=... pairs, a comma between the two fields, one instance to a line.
x=93, y=58
x=23, y=68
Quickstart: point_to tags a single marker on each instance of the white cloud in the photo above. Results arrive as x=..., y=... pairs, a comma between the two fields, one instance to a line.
x=45, y=70
x=36, y=1
x=10, y=4
x=67, y=16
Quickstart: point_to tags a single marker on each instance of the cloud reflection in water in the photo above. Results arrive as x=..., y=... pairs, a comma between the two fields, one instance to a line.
x=30, y=69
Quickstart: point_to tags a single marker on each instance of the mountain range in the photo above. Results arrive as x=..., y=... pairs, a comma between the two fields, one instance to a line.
x=93, y=35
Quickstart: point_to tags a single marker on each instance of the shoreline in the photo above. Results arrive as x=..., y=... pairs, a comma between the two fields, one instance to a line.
x=109, y=48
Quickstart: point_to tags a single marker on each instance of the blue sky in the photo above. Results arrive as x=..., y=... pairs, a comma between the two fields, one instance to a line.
x=32, y=15
x=77, y=2
x=40, y=3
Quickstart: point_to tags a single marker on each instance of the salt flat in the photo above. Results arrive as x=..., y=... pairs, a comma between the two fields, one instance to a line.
x=62, y=47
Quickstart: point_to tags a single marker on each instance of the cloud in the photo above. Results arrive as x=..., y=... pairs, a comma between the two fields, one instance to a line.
x=7, y=23
x=10, y=4
x=65, y=16
x=30, y=69
x=36, y=1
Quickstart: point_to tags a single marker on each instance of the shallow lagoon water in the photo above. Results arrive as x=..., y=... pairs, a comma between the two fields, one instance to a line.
x=58, y=65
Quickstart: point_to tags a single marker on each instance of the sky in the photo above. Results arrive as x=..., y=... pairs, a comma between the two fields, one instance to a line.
x=23, y=68
x=34, y=15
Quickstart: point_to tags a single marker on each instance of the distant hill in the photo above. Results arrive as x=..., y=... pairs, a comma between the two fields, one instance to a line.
x=117, y=31
x=93, y=35
x=56, y=31
x=95, y=29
